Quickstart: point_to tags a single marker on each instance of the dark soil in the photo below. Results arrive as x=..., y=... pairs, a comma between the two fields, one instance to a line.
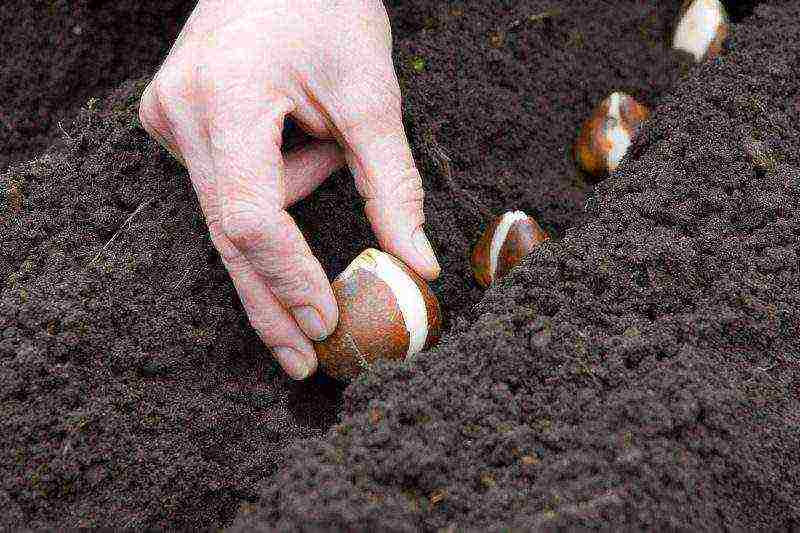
x=57, y=54
x=640, y=369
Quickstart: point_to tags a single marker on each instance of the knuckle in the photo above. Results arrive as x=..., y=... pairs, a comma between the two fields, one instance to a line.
x=402, y=192
x=410, y=206
x=169, y=82
x=405, y=185
x=287, y=278
x=377, y=104
x=263, y=239
x=398, y=186
x=230, y=254
x=411, y=181
x=158, y=103
x=242, y=228
x=415, y=208
x=159, y=100
x=245, y=236
x=152, y=114
x=149, y=110
x=367, y=186
x=167, y=88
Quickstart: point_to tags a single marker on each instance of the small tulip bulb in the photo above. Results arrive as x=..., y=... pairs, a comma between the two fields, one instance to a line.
x=607, y=133
x=702, y=29
x=507, y=240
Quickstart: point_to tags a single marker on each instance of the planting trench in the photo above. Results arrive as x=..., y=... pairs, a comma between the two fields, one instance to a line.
x=642, y=368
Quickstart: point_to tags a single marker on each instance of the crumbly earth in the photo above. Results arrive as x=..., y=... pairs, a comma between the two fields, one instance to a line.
x=57, y=54
x=643, y=371
x=641, y=368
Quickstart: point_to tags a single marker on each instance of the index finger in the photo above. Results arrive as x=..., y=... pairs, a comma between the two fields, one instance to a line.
x=377, y=151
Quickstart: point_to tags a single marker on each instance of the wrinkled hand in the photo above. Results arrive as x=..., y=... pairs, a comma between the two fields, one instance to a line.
x=218, y=104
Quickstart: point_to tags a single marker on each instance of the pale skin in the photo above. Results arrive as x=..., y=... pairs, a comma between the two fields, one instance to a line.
x=218, y=104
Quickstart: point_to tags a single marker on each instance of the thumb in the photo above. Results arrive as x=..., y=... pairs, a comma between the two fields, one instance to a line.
x=380, y=159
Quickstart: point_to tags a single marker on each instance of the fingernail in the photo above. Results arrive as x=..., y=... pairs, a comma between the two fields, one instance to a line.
x=423, y=246
x=310, y=321
x=292, y=362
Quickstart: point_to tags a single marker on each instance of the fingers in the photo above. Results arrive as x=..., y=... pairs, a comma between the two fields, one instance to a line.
x=307, y=167
x=156, y=123
x=159, y=110
x=255, y=230
x=369, y=120
x=276, y=327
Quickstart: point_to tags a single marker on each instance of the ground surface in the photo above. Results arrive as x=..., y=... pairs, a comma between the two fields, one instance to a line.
x=642, y=368
x=59, y=53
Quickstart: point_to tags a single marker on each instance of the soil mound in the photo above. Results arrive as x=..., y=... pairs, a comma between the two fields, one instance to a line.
x=644, y=371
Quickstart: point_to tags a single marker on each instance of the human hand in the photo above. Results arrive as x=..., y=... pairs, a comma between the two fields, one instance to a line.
x=218, y=103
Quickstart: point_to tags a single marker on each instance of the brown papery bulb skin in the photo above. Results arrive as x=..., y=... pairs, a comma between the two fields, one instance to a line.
x=504, y=243
x=701, y=29
x=607, y=134
x=386, y=311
